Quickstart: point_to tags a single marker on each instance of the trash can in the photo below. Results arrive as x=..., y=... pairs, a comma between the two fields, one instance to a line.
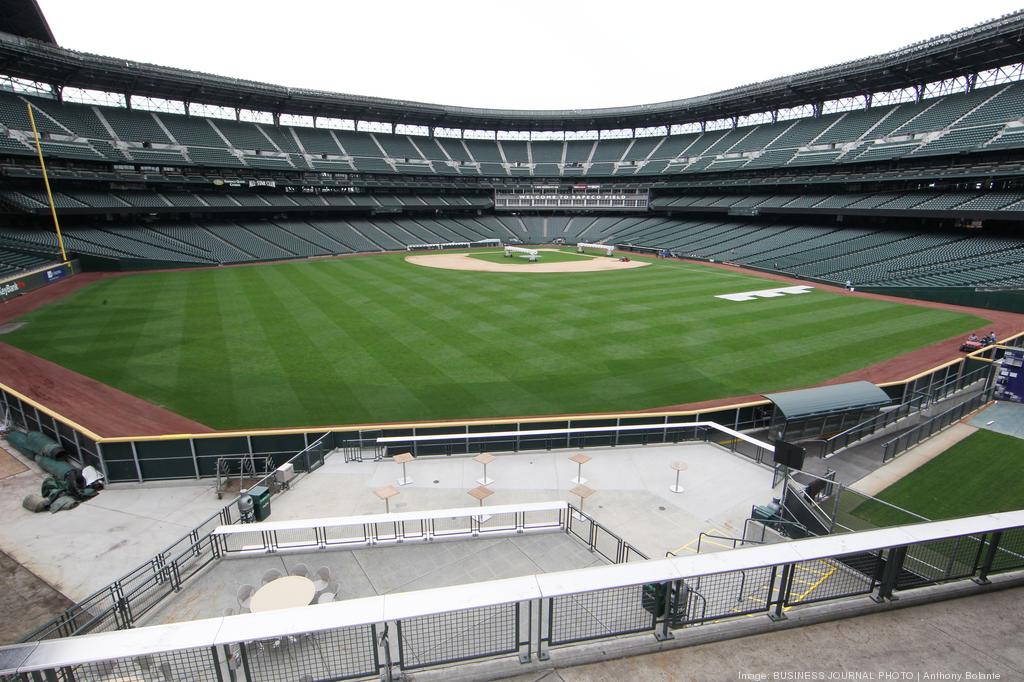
x=245, y=505
x=260, y=501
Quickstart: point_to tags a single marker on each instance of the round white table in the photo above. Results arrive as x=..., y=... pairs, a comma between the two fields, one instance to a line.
x=283, y=593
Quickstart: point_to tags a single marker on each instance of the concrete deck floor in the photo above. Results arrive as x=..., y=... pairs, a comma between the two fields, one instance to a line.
x=367, y=572
x=84, y=549
x=1005, y=417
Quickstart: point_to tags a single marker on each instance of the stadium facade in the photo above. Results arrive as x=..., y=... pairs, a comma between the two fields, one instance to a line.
x=883, y=162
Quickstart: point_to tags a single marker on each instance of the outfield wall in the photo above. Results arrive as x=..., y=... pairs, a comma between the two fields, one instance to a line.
x=22, y=283
x=995, y=299
x=178, y=456
x=1010, y=300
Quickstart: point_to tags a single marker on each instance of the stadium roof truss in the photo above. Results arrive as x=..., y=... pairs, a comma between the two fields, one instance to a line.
x=959, y=55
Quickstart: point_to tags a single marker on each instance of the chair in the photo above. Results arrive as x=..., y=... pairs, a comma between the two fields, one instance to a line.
x=271, y=575
x=323, y=577
x=329, y=594
x=245, y=593
x=301, y=570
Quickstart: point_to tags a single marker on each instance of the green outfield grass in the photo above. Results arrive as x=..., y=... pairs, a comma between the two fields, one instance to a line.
x=374, y=338
x=498, y=256
x=981, y=474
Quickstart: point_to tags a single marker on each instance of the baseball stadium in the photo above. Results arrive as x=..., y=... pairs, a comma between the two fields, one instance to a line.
x=683, y=386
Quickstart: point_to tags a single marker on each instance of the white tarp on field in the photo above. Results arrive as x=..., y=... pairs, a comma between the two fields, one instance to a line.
x=766, y=293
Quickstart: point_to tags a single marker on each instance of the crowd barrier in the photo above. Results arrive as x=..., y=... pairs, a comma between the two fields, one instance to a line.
x=526, y=619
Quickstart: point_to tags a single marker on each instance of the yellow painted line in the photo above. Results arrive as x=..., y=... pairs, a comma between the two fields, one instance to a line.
x=691, y=546
x=814, y=586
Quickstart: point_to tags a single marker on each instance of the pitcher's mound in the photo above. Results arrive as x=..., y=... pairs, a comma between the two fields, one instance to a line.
x=463, y=261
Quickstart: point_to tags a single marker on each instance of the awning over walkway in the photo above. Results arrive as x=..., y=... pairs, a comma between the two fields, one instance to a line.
x=812, y=402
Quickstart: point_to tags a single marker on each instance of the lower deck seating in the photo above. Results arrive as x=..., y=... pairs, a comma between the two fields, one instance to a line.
x=865, y=256
x=14, y=262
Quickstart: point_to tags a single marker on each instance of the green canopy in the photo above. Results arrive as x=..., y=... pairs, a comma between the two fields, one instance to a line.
x=812, y=402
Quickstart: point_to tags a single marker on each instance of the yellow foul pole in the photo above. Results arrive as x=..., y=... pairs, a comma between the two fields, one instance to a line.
x=46, y=181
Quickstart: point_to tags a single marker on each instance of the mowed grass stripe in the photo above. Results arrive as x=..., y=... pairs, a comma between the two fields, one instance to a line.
x=468, y=357
x=351, y=349
x=387, y=365
x=377, y=339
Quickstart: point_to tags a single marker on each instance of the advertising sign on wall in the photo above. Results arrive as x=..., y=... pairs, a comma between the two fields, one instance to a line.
x=20, y=284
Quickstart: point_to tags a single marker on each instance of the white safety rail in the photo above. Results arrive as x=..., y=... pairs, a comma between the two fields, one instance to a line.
x=577, y=430
x=396, y=527
x=442, y=626
x=607, y=248
x=454, y=245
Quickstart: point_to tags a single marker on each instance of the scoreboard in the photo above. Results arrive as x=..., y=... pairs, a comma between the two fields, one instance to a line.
x=578, y=197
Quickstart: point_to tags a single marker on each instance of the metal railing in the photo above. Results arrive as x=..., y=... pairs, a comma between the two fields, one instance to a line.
x=923, y=397
x=905, y=441
x=733, y=542
x=529, y=616
x=833, y=444
x=396, y=528
x=393, y=528
x=123, y=602
x=581, y=437
x=599, y=539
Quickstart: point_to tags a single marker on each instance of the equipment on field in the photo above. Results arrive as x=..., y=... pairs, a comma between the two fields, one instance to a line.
x=35, y=443
x=283, y=475
x=66, y=484
x=520, y=252
x=607, y=249
x=241, y=470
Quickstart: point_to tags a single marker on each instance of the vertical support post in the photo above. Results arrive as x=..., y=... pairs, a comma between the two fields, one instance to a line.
x=665, y=633
x=525, y=657
x=103, y=461
x=785, y=583
x=893, y=565
x=990, y=555
x=542, y=654
x=135, y=456
x=195, y=459
x=245, y=660
x=78, y=446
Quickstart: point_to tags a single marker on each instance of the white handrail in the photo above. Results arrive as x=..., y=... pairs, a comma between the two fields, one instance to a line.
x=393, y=517
x=366, y=611
x=577, y=429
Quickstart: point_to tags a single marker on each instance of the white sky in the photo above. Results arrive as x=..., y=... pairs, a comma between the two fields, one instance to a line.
x=526, y=54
